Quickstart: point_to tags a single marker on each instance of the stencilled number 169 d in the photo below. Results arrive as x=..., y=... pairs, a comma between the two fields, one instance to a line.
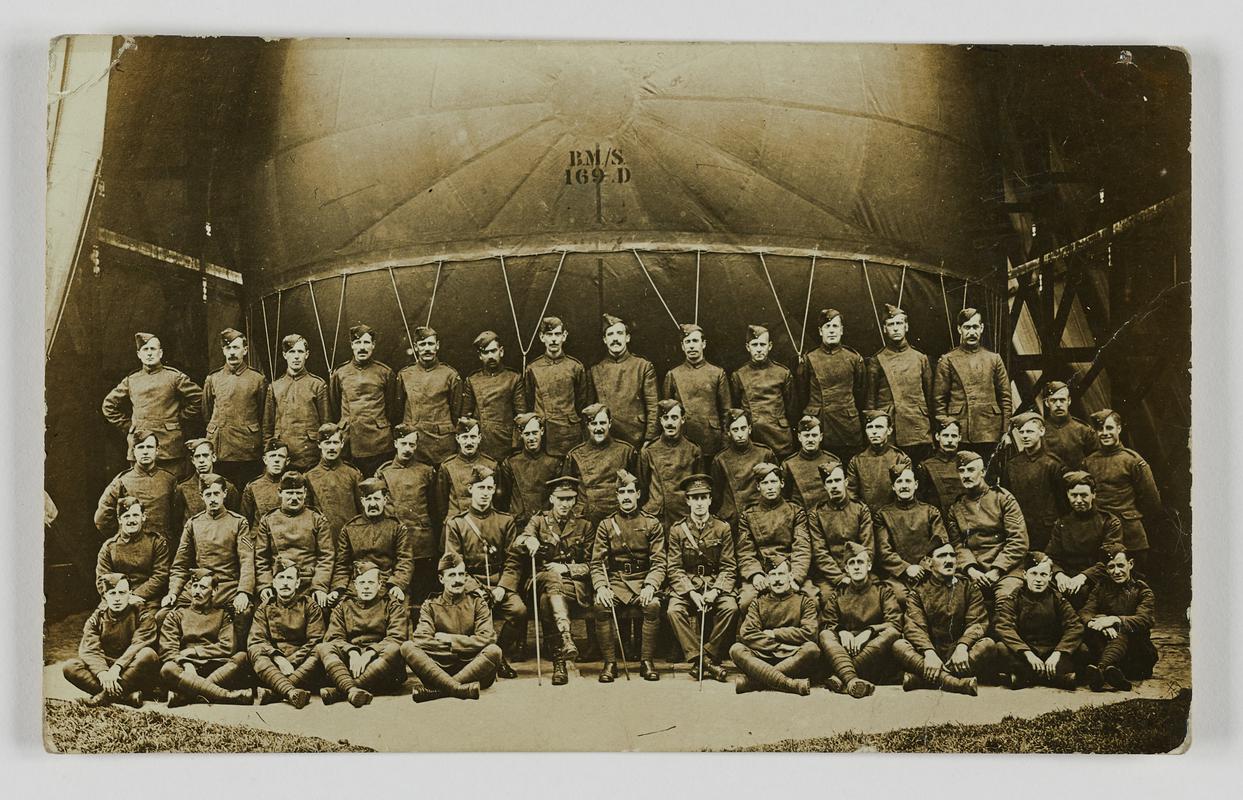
x=583, y=176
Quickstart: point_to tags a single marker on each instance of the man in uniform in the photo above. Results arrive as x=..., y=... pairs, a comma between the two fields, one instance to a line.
x=453, y=648
x=284, y=634
x=202, y=657
x=944, y=645
x=483, y=536
x=986, y=526
x=375, y=536
x=771, y=526
x=900, y=377
x=733, y=476
x=860, y=622
x=262, y=495
x=189, y=497
x=776, y=647
x=801, y=471
x=627, y=571
x=155, y=399
x=558, y=543
x=362, y=394
x=116, y=661
x=867, y=475
x=557, y=388
x=296, y=405
x=832, y=524
x=833, y=382
x=361, y=650
x=596, y=463
x=1124, y=485
x=765, y=389
x=1118, y=618
x=429, y=398
x=939, y=484
x=1078, y=539
x=528, y=471
x=233, y=402
x=702, y=569
x=453, y=477
x=972, y=385
x=906, y=531
x=151, y=484
x=665, y=462
x=141, y=555
x=626, y=384
x=494, y=395
x=703, y=389
x=1034, y=476
x=1065, y=436
x=411, y=487
x=334, y=483
x=298, y=535
x=1038, y=631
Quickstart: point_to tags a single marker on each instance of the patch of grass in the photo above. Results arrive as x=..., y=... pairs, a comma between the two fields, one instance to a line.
x=1132, y=726
x=74, y=728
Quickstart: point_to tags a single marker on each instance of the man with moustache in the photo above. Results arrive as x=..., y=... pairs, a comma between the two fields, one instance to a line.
x=867, y=475
x=986, y=526
x=201, y=655
x=494, y=395
x=453, y=477
x=1066, y=437
x=665, y=462
x=801, y=471
x=151, y=484
x=334, y=483
x=362, y=394
x=139, y=554
x=233, y=400
x=429, y=397
x=972, y=385
x=596, y=463
x=1078, y=539
x=769, y=527
x=410, y=484
x=776, y=647
x=298, y=535
x=626, y=384
x=765, y=389
x=703, y=390
x=557, y=388
x=833, y=383
x=262, y=495
x=733, y=475
x=528, y=471
x=906, y=531
x=900, y=378
x=296, y=405
x=377, y=537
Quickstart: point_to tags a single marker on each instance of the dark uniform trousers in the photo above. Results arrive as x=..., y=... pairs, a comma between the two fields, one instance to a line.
x=777, y=660
x=470, y=656
x=1131, y=650
x=108, y=638
x=1040, y=623
x=856, y=608
x=290, y=629
x=380, y=626
x=204, y=640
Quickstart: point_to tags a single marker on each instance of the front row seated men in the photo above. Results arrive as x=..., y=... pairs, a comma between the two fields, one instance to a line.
x=200, y=662
x=1038, y=630
x=116, y=662
x=361, y=648
x=1119, y=617
x=283, y=637
x=860, y=622
x=776, y=647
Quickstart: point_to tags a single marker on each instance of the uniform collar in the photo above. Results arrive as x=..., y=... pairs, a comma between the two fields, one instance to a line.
x=419, y=363
x=238, y=370
x=295, y=376
x=149, y=470
x=904, y=504
x=618, y=359
x=1113, y=448
x=830, y=348
x=152, y=370
x=899, y=347
x=702, y=363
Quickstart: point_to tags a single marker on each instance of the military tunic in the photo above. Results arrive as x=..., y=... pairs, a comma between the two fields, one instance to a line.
x=627, y=553
x=1035, y=480
x=856, y=607
x=335, y=487
x=1040, y=623
x=834, y=383
x=155, y=487
x=220, y=543
x=304, y=538
x=430, y=400
x=377, y=624
x=662, y=466
x=453, y=483
x=1070, y=441
x=734, y=486
x=558, y=390
x=201, y=638
x=972, y=386
x=769, y=528
x=905, y=532
x=295, y=407
x=766, y=392
x=289, y=628
x=987, y=529
x=527, y=474
x=1125, y=486
x=700, y=559
x=467, y=619
x=495, y=397
x=627, y=385
x=792, y=619
x=597, y=465
x=942, y=614
x=156, y=399
x=364, y=395
x=143, y=560
x=233, y=404
x=831, y=525
x=1077, y=539
x=1134, y=606
x=867, y=474
x=703, y=391
x=568, y=544
x=384, y=542
x=900, y=378
x=411, y=488
x=803, y=484
x=939, y=482
x=111, y=638
x=260, y=496
x=483, y=541
x=189, y=500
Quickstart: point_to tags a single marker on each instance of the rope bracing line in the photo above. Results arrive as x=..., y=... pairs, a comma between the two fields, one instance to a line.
x=811, y=278
x=784, y=321
x=400, y=310
x=879, y=328
x=315, y=309
x=949, y=321
x=659, y=296
x=337, y=331
x=435, y=286
x=514, y=311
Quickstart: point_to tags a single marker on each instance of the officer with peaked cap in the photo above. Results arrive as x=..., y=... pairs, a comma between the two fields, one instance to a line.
x=296, y=405
x=429, y=397
x=765, y=388
x=972, y=384
x=833, y=381
x=493, y=394
x=1034, y=476
x=233, y=398
x=703, y=389
x=363, y=394
x=986, y=526
x=597, y=461
x=298, y=534
x=1066, y=437
x=626, y=383
x=900, y=377
x=557, y=388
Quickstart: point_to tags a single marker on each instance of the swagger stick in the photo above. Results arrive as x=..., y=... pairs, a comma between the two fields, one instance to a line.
x=539, y=668
x=703, y=625
x=621, y=648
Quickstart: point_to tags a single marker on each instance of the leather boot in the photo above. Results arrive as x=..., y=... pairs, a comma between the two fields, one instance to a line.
x=481, y=670
x=912, y=681
x=1115, y=678
x=956, y=685
x=132, y=699
x=767, y=675
x=859, y=688
x=1095, y=678
x=273, y=678
x=330, y=695
x=358, y=697
x=298, y=698
x=606, y=639
x=560, y=675
x=609, y=673
x=647, y=671
x=436, y=682
x=561, y=617
x=97, y=700
x=743, y=684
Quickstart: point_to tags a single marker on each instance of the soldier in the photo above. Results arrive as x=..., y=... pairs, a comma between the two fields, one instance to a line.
x=1034, y=476
x=557, y=544
x=986, y=526
x=151, y=484
x=189, y=499
x=296, y=405
x=411, y=488
x=528, y=471
x=362, y=394
x=334, y=483
x=867, y=474
x=833, y=381
x=665, y=462
x=972, y=385
x=702, y=570
x=1038, y=631
x=765, y=389
x=453, y=648
x=154, y=399
x=557, y=388
x=286, y=629
x=483, y=536
x=454, y=474
x=1119, y=616
x=139, y=554
x=832, y=524
x=262, y=495
x=1079, y=538
x=1065, y=436
x=361, y=650
x=944, y=645
x=233, y=403
x=494, y=395
x=627, y=571
x=116, y=661
x=801, y=471
x=296, y=534
x=375, y=536
x=776, y=647
x=900, y=377
x=201, y=657
x=626, y=383
x=596, y=463
x=906, y=532
x=219, y=541
x=771, y=526
x=704, y=391
x=1124, y=485
x=733, y=476
x=429, y=397
x=859, y=623
x=937, y=474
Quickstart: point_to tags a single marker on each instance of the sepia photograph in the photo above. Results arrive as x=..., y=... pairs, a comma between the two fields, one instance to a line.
x=443, y=395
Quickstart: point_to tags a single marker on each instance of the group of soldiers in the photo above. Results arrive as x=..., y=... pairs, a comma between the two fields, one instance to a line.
x=861, y=521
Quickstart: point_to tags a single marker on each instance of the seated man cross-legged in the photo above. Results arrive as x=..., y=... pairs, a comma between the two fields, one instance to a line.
x=1119, y=616
x=861, y=621
x=776, y=646
x=1037, y=629
x=283, y=637
x=360, y=651
x=196, y=646
x=115, y=660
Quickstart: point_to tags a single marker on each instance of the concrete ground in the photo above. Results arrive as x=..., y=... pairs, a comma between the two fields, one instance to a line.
x=638, y=715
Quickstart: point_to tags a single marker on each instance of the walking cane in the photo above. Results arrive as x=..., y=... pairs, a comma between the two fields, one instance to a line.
x=703, y=625
x=539, y=667
x=621, y=648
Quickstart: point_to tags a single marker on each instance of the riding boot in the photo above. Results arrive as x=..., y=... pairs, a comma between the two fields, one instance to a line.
x=481, y=669
x=560, y=675
x=561, y=619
